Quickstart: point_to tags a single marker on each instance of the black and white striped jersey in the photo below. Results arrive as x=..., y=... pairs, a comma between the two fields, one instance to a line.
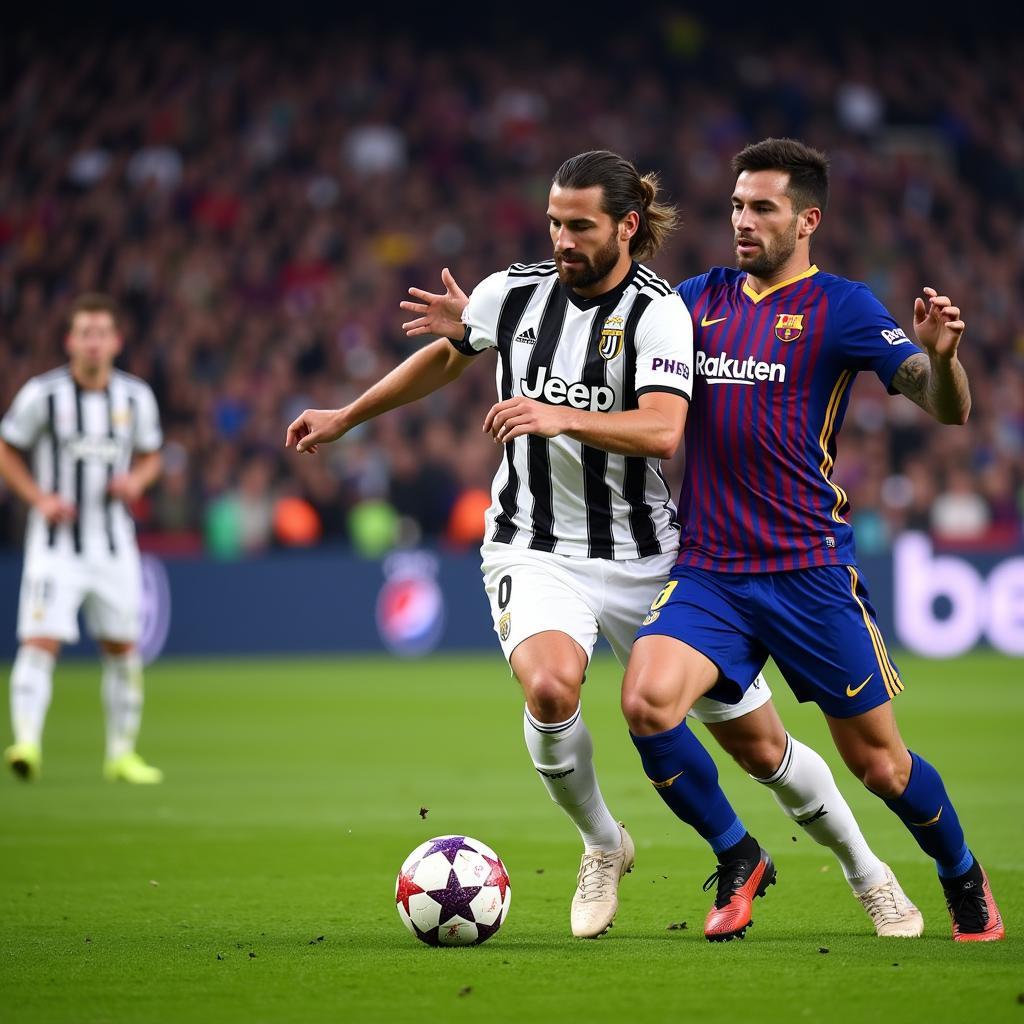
x=78, y=440
x=601, y=354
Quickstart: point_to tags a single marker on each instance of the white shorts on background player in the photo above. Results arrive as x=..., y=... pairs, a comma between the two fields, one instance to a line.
x=108, y=590
x=534, y=591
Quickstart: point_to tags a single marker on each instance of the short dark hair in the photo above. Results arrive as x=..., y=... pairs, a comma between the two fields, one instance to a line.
x=93, y=302
x=807, y=169
x=623, y=190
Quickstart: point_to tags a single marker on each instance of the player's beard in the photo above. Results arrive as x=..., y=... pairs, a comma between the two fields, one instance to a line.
x=771, y=257
x=585, y=272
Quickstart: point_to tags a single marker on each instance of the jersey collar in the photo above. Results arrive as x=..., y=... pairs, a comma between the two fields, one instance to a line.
x=599, y=300
x=758, y=296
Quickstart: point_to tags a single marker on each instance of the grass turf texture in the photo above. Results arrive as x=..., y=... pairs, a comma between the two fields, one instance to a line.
x=257, y=883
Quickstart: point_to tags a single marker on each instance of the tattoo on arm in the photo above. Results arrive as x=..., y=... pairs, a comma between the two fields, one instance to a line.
x=946, y=396
x=911, y=379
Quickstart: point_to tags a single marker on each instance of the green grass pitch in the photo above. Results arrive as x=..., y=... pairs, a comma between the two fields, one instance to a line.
x=257, y=883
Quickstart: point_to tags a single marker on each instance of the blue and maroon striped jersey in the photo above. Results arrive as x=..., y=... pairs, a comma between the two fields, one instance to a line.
x=772, y=382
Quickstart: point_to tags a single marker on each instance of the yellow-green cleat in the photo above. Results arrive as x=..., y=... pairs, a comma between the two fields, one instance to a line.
x=131, y=768
x=25, y=760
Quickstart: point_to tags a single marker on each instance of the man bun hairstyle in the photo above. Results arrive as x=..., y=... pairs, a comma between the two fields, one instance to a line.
x=623, y=190
x=807, y=169
x=93, y=302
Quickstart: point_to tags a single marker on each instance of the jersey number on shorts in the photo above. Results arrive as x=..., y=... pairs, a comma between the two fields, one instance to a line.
x=504, y=596
x=666, y=593
x=504, y=592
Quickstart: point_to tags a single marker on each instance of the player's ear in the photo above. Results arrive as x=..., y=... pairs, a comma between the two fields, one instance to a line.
x=629, y=225
x=809, y=221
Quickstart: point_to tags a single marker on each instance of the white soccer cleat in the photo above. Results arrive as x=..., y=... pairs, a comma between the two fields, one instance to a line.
x=893, y=915
x=597, y=888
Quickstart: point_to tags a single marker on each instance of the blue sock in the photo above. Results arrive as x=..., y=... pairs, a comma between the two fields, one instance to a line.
x=926, y=810
x=686, y=778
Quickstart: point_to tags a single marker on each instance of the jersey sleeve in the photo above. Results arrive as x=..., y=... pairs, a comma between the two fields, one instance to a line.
x=869, y=336
x=481, y=315
x=147, y=436
x=664, y=348
x=26, y=418
x=690, y=289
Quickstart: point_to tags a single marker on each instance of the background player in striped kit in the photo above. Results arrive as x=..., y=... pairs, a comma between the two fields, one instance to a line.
x=81, y=425
x=767, y=564
x=593, y=375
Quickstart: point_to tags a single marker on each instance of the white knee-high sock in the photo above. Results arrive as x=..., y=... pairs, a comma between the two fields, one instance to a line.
x=31, y=688
x=804, y=788
x=563, y=754
x=122, y=699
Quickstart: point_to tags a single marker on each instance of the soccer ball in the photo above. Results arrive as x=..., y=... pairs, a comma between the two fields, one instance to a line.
x=453, y=891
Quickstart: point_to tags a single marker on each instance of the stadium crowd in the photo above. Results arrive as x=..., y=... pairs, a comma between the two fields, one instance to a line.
x=259, y=206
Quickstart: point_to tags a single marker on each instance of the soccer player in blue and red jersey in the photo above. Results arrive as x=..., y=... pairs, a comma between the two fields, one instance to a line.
x=767, y=565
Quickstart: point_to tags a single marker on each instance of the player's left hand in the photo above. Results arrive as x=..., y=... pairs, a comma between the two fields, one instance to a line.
x=517, y=416
x=125, y=488
x=937, y=324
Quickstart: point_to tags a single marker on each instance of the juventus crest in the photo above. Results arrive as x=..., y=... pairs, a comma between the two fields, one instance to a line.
x=611, y=337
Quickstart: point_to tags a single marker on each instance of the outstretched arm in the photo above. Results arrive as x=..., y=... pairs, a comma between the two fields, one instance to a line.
x=935, y=379
x=421, y=374
x=437, y=314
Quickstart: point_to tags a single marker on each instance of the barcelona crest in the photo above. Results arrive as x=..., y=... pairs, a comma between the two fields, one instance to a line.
x=789, y=326
x=611, y=337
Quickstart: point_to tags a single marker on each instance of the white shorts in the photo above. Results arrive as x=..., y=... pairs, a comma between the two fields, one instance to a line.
x=54, y=587
x=533, y=591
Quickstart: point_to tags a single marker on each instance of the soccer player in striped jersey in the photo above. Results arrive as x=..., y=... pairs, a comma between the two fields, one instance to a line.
x=767, y=565
x=593, y=376
x=80, y=425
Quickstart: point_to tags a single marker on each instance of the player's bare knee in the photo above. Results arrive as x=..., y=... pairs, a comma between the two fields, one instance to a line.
x=883, y=775
x=759, y=757
x=644, y=715
x=51, y=647
x=115, y=648
x=551, y=696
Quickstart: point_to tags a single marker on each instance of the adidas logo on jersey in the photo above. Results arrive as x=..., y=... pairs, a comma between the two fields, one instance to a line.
x=555, y=391
x=527, y=337
x=721, y=369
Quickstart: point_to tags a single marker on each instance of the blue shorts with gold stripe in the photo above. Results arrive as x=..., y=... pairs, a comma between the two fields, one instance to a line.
x=817, y=624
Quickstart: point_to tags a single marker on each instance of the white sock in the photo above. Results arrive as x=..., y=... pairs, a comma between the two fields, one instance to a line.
x=804, y=788
x=563, y=754
x=122, y=699
x=31, y=688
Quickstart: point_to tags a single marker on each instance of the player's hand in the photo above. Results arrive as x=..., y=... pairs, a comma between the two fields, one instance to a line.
x=438, y=314
x=125, y=488
x=313, y=428
x=937, y=324
x=517, y=416
x=55, y=510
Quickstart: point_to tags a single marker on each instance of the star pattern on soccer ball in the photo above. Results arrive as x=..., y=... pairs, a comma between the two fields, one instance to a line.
x=485, y=931
x=454, y=899
x=406, y=888
x=498, y=875
x=449, y=846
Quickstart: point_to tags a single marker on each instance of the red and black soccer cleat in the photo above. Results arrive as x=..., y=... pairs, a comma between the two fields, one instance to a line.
x=739, y=882
x=973, y=910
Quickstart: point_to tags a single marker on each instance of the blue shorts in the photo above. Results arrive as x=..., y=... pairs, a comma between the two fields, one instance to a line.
x=817, y=624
